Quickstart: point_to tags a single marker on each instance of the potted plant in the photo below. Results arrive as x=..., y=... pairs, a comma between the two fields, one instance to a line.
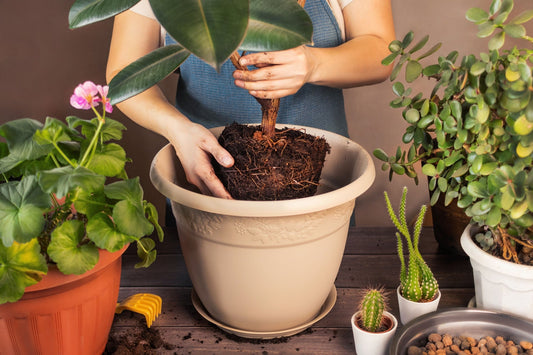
x=372, y=325
x=418, y=292
x=252, y=263
x=68, y=212
x=474, y=136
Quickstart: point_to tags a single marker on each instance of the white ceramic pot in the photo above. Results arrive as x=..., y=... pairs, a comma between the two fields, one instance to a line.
x=267, y=268
x=410, y=310
x=368, y=343
x=500, y=285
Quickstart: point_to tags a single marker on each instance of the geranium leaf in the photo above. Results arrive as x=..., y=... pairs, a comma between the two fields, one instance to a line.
x=62, y=180
x=102, y=231
x=90, y=203
x=146, y=252
x=130, y=190
x=109, y=160
x=130, y=219
x=66, y=249
x=21, y=265
x=21, y=210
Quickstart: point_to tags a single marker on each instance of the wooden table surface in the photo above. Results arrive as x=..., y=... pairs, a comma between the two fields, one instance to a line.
x=370, y=259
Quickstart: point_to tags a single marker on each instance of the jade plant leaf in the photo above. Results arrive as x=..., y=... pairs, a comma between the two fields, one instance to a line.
x=62, y=180
x=84, y=12
x=211, y=30
x=105, y=234
x=276, y=25
x=21, y=265
x=21, y=210
x=68, y=251
x=145, y=72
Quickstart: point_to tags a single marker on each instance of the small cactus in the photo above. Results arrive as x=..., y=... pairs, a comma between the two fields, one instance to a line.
x=417, y=281
x=372, y=307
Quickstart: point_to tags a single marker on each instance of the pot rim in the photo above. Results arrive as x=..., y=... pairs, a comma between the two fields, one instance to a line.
x=389, y=315
x=491, y=261
x=279, y=208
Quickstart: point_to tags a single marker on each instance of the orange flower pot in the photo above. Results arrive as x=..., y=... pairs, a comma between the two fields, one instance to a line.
x=64, y=314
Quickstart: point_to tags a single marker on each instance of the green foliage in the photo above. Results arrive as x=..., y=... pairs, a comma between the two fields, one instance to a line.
x=57, y=204
x=211, y=30
x=417, y=281
x=372, y=307
x=473, y=133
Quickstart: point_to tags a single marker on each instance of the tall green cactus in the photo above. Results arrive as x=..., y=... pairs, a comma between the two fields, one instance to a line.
x=417, y=281
x=372, y=307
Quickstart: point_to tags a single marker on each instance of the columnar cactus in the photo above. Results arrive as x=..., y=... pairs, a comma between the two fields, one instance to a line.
x=417, y=281
x=372, y=307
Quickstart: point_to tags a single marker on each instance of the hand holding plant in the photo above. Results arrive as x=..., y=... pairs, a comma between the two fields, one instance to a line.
x=55, y=203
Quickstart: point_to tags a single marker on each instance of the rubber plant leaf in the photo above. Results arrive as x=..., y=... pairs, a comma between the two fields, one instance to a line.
x=145, y=72
x=104, y=233
x=62, y=180
x=18, y=135
x=277, y=25
x=22, y=204
x=128, y=214
x=211, y=30
x=21, y=265
x=67, y=250
x=84, y=12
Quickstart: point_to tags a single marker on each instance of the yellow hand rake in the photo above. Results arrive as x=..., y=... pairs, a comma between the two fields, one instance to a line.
x=146, y=304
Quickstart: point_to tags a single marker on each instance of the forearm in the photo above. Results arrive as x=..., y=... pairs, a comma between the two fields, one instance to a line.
x=354, y=63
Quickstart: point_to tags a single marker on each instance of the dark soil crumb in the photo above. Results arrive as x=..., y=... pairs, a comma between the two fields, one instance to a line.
x=463, y=345
x=147, y=341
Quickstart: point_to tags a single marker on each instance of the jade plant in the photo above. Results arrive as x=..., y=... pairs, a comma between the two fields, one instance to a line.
x=417, y=282
x=213, y=31
x=65, y=194
x=372, y=306
x=473, y=132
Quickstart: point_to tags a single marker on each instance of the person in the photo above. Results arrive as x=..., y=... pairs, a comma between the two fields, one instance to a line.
x=350, y=39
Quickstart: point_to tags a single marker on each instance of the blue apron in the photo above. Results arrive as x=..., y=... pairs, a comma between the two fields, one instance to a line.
x=212, y=99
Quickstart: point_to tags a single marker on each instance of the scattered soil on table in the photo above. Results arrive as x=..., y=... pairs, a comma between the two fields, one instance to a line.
x=286, y=166
x=462, y=345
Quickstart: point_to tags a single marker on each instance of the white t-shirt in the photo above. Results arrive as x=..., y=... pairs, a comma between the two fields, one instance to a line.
x=143, y=8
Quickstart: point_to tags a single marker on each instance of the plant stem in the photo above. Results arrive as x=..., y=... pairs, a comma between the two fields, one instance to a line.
x=92, y=144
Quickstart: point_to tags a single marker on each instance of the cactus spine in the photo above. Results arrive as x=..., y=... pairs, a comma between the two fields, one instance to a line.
x=372, y=308
x=416, y=278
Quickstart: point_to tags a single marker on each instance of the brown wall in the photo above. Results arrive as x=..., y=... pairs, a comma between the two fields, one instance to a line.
x=41, y=61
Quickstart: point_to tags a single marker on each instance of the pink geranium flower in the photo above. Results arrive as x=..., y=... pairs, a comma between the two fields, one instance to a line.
x=103, y=90
x=85, y=96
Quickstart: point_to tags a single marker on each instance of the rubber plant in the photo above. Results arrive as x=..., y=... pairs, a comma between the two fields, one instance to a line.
x=473, y=132
x=417, y=282
x=214, y=31
x=65, y=193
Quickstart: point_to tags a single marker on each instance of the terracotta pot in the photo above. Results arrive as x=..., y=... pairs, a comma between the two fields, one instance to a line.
x=64, y=314
x=410, y=310
x=266, y=268
x=368, y=343
x=500, y=285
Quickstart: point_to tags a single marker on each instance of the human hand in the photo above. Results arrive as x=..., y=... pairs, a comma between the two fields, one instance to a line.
x=195, y=146
x=278, y=74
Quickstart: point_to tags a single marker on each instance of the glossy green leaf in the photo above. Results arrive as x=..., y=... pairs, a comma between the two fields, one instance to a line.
x=523, y=17
x=21, y=265
x=276, y=25
x=130, y=219
x=66, y=249
x=108, y=160
x=21, y=210
x=497, y=41
x=146, y=72
x=429, y=170
x=432, y=50
x=413, y=70
x=380, y=154
x=515, y=31
x=84, y=12
x=412, y=115
x=104, y=233
x=398, y=88
x=211, y=30
x=477, y=15
x=420, y=44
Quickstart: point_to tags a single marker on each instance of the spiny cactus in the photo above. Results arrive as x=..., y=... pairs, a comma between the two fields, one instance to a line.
x=372, y=307
x=416, y=278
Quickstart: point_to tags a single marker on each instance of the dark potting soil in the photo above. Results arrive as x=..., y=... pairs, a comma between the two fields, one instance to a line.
x=285, y=166
x=144, y=341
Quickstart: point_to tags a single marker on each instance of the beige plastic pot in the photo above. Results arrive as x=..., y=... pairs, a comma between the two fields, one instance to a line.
x=265, y=269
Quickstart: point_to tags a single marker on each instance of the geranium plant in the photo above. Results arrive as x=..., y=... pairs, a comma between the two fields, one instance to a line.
x=473, y=132
x=65, y=193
